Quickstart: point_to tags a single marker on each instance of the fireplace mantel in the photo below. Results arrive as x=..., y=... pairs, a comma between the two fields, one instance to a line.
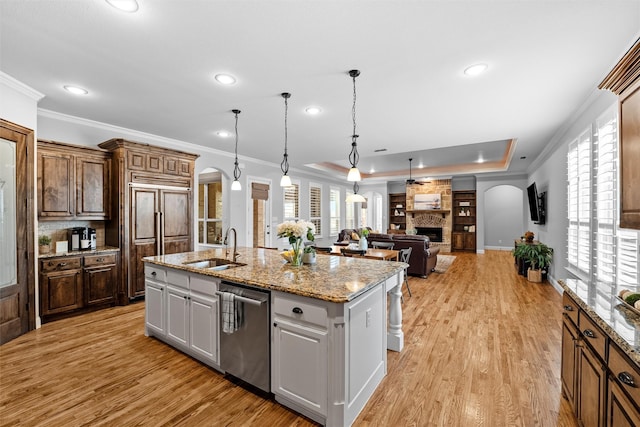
x=429, y=211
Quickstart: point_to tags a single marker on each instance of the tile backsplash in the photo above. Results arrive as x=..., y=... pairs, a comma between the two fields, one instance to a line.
x=57, y=230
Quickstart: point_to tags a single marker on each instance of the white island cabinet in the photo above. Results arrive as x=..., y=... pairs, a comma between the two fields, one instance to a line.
x=182, y=310
x=328, y=358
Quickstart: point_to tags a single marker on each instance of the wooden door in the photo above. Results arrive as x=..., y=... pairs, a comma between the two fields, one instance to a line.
x=592, y=380
x=17, y=289
x=568, y=367
x=61, y=291
x=93, y=177
x=175, y=221
x=144, y=235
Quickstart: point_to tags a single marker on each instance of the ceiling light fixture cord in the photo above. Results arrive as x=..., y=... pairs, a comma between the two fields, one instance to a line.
x=354, y=157
x=284, y=166
x=236, y=169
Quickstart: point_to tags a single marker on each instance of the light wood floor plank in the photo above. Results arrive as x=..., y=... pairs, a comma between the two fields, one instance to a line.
x=482, y=348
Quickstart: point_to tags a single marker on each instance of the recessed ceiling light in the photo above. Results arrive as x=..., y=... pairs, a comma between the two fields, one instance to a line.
x=124, y=5
x=225, y=79
x=76, y=90
x=421, y=165
x=313, y=110
x=475, y=69
x=223, y=134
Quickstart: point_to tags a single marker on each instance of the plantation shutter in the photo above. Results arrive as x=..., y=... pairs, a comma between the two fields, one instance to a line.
x=291, y=202
x=315, y=208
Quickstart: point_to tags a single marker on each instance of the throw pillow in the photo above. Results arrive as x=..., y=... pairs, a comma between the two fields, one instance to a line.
x=354, y=236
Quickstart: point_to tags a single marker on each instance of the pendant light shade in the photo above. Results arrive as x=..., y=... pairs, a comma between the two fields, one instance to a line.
x=355, y=197
x=235, y=185
x=354, y=157
x=285, y=181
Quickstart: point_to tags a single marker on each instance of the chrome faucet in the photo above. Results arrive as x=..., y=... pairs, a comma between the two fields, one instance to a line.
x=235, y=244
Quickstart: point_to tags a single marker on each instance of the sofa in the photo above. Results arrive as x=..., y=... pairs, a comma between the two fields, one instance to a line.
x=423, y=257
x=347, y=234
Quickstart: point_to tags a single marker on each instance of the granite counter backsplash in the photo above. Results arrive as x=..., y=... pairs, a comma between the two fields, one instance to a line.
x=98, y=250
x=616, y=320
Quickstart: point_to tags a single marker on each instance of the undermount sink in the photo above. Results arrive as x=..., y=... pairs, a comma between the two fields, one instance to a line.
x=214, y=264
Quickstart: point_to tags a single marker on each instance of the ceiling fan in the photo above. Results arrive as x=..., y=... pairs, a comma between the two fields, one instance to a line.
x=412, y=181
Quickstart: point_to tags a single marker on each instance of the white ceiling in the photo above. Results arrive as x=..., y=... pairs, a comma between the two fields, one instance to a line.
x=153, y=70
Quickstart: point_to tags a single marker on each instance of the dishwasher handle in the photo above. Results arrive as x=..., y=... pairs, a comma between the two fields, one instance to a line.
x=244, y=299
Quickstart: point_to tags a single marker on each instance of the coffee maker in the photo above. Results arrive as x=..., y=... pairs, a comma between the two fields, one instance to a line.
x=92, y=238
x=75, y=235
x=85, y=240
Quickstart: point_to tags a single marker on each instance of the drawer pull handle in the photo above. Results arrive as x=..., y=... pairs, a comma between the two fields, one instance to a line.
x=568, y=308
x=297, y=310
x=153, y=273
x=588, y=333
x=100, y=260
x=62, y=264
x=626, y=378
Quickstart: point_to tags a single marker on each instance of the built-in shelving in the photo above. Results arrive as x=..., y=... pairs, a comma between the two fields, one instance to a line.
x=397, y=212
x=463, y=213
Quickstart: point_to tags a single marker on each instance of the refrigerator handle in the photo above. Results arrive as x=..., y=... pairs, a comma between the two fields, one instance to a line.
x=158, y=234
x=162, y=232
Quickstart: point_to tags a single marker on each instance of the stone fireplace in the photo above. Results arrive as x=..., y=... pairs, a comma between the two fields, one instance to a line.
x=433, y=224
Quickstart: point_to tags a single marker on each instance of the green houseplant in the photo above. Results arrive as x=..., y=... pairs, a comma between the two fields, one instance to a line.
x=539, y=257
x=44, y=243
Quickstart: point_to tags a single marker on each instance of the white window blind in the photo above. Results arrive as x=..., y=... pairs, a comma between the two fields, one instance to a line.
x=605, y=155
x=594, y=238
x=334, y=211
x=291, y=202
x=349, y=212
x=315, y=208
x=579, y=209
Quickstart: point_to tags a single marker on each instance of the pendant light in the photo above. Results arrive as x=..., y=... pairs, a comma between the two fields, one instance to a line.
x=354, y=157
x=235, y=185
x=355, y=197
x=285, y=181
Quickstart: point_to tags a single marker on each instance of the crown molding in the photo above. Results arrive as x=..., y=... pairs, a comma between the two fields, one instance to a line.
x=18, y=86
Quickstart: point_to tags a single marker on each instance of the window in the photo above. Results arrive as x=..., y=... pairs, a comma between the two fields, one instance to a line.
x=597, y=249
x=291, y=197
x=315, y=207
x=210, y=213
x=350, y=218
x=334, y=211
x=579, y=209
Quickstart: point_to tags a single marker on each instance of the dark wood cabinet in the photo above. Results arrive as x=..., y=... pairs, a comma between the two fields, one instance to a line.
x=60, y=285
x=152, y=207
x=73, y=182
x=463, y=234
x=100, y=279
x=76, y=284
x=397, y=212
x=624, y=81
x=591, y=391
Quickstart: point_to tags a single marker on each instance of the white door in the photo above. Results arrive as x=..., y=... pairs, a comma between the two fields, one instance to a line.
x=178, y=315
x=154, y=308
x=259, y=218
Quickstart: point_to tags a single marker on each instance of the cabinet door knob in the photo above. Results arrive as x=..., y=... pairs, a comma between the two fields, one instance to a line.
x=588, y=333
x=100, y=260
x=297, y=310
x=153, y=273
x=568, y=308
x=626, y=378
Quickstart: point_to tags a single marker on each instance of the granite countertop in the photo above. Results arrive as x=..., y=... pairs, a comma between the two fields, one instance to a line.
x=615, y=319
x=98, y=250
x=333, y=278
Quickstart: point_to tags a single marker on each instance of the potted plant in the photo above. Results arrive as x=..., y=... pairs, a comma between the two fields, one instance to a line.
x=539, y=257
x=44, y=243
x=364, y=233
x=309, y=256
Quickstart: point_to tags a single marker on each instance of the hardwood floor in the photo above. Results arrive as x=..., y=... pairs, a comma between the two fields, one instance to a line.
x=482, y=348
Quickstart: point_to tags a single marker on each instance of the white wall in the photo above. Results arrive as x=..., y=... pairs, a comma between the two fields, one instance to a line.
x=502, y=216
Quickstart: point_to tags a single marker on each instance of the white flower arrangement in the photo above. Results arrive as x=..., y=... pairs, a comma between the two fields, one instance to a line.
x=296, y=230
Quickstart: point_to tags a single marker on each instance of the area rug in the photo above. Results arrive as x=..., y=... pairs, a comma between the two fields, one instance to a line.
x=444, y=262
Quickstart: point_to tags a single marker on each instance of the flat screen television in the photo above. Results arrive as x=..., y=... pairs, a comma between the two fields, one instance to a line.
x=536, y=204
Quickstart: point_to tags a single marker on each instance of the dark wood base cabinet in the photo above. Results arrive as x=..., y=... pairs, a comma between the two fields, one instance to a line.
x=599, y=381
x=71, y=285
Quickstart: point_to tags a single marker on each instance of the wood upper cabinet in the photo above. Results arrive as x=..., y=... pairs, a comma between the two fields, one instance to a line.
x=73, y=182
x=624, y=81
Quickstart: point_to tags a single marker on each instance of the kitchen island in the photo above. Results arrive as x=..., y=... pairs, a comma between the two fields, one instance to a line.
x=327, y=322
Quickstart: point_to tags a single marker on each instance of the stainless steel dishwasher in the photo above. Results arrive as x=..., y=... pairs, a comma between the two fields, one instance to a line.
x=245, y=353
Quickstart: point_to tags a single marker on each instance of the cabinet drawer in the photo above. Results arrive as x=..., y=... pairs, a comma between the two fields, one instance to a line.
x=60, y=264
x=96, y=260
x=592, y=334
x=570, y=308
x=625, y=372
x=299, y=309
x=206, y=285
x=155, y=273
